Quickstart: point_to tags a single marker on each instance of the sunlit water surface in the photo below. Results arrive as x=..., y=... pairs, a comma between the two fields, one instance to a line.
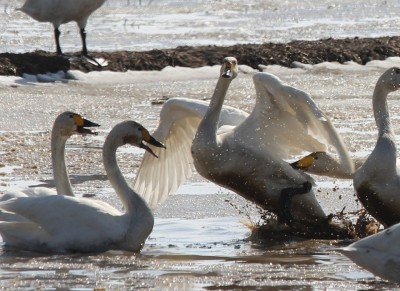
x=200, y=238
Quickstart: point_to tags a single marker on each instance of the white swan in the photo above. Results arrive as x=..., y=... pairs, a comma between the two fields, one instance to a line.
x=377, y=181
x=62, y=11
x=245, y=160
x=59, y=223
x=378, y=253
x=66, y=124
x=285, y=121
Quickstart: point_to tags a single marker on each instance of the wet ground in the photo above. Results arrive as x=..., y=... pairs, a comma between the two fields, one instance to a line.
x=201, y=235
x=359, y=50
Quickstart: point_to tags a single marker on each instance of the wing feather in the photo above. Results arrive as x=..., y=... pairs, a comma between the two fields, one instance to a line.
x=291, y=122
x=179, y=119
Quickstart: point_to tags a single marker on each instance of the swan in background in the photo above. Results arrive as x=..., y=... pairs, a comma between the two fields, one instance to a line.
x=378, y=253
x=246, y=160
x=66, y=124
x=62, y=11
x=285, y=121
x=57, y=223
x=377, y=181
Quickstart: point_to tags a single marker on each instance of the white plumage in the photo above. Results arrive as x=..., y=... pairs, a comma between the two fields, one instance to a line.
x=378, y=253
x=179, y=119
x=59, y=12
x=57, y=223
x=248, y=158
x=377, y=181
x=66, y=124
x=285, y=121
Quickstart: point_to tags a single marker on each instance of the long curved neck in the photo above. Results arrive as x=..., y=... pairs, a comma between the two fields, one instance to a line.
x=129, y=198
x=60, y=173
x=381, y=112
x=209, y=124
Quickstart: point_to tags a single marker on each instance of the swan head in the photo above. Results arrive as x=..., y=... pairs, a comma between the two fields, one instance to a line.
x=133, y=133
x=69, y=123
x=390, y=80
x=229, y=68
x=319, y=163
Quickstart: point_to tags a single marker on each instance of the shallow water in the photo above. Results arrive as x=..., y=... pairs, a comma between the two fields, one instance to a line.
x=200, y=238
x=123, y=24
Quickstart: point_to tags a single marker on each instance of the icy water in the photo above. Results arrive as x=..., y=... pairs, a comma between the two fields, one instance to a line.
x=123, y=24
x=200, y=238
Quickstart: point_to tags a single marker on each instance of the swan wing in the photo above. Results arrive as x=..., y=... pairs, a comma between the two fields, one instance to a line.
x=291, y=122
x=179, y=119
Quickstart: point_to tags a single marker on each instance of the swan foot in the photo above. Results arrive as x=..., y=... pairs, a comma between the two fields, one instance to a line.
x=284, y=213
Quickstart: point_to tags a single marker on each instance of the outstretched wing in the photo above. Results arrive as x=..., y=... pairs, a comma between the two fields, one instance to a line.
x=289, y=122
x=179, y=119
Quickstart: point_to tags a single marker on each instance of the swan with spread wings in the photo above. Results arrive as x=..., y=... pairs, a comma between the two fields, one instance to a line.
x=285, y=121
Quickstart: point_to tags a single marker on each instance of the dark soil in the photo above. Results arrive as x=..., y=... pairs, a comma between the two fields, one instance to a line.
x=360, y=50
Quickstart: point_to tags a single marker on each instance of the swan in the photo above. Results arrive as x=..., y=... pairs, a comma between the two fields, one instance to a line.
x=65, y=125
x=59, y=224
x=378, y=253
x=62, y=11
x=287, y=114
x=242, y=158
x=377, y=181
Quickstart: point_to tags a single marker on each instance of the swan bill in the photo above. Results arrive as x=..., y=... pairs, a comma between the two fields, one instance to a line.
x=83, y=123
x=305, y=162
x=150, y=140
x=228, y=68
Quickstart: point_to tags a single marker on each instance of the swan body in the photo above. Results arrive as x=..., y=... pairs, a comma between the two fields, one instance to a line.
x=377, y=181
x=378, y=253
x=59, y=12
x=285, y=121
x=250, y=162
x=58, y=223
x=66, y=124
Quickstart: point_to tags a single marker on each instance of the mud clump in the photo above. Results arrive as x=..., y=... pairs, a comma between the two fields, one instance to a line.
x=339, y=226
x=359, y=50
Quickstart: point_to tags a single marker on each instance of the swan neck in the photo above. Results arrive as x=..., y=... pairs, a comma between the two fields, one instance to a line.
x=211, y=118
x=129, y=198
x=60, y=173
x=381, y=111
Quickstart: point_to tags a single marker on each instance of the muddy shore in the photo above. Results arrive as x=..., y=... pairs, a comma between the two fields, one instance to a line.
x=360, y=50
